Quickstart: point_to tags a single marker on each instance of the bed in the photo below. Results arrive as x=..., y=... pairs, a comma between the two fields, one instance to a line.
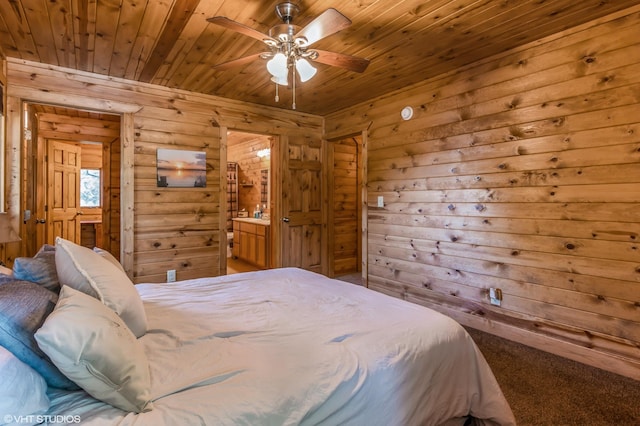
x=276, y=347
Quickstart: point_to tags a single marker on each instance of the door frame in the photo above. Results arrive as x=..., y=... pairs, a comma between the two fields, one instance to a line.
x=362, y=137
x=330, y=191
x=275, y=209
x=17, y=147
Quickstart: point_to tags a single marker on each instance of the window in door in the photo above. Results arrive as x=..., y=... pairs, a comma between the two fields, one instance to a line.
x=90, y=184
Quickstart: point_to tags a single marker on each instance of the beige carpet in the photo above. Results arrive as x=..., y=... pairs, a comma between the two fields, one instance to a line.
x=548, y=390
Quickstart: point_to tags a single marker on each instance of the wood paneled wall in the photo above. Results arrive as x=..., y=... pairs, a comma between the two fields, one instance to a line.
x=170, y=228
x=520, y=172
x=249, y=170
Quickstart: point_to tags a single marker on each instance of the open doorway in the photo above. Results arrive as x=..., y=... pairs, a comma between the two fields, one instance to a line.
x=72, y=185
x=344, y=228
x=249, y=202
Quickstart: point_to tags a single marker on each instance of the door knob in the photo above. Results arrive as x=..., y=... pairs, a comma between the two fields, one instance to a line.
x=285, y=219
x=41, y=221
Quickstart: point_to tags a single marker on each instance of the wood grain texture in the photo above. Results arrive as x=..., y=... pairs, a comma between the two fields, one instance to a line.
x=171, y=43
x=521, y=172
x=158, y=228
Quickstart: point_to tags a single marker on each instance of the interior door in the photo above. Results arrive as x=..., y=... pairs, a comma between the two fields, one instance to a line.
x=301, y=237
x=63, y=191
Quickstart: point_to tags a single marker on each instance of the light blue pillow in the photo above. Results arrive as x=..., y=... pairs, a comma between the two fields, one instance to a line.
x=23, y=392
x=39, y=269
x=24, y=306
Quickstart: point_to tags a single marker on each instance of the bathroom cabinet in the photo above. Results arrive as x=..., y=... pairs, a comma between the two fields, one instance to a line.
x=251, y=241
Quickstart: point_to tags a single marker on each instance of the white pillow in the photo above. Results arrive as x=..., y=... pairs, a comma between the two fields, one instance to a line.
x=93, y=347
x=23, y=392
x=109, y=257
x=85, y=270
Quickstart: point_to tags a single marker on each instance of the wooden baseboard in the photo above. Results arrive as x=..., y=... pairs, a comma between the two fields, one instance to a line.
x=614, y=363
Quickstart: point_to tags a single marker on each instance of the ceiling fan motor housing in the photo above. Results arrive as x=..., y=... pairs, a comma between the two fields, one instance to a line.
x=287, y=11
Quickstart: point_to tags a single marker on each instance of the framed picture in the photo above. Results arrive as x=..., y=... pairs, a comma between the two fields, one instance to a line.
x=181, y=169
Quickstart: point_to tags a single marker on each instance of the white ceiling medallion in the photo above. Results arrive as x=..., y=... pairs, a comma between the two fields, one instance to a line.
x=406, y=113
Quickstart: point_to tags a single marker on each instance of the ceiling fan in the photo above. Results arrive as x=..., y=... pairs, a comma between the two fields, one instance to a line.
x=289, y=45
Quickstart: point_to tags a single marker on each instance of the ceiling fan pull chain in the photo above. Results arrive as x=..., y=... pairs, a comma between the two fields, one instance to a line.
x=277, y=97
x=293, y=68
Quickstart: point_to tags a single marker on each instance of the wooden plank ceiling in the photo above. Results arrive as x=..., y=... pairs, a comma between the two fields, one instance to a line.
x=170, y=42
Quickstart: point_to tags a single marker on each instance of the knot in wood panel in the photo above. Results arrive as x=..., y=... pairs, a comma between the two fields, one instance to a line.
x=606, y=79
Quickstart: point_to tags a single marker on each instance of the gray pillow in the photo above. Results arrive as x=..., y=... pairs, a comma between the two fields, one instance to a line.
x=39, y=269
x=24, y=306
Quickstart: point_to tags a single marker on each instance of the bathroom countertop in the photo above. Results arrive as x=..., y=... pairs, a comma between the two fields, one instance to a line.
x=263, y=222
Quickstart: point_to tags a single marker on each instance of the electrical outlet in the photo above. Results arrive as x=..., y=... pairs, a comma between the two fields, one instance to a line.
x=380, y=201
x=171, y=275
x=495, y=296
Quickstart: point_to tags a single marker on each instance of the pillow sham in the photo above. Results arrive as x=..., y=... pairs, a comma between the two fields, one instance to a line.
x=85, y=270
x=23, y=392
x=94, y=348
x=39, y=269
x=23, y=308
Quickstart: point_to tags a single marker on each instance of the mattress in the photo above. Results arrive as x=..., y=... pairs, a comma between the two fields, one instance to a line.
x=292, y=347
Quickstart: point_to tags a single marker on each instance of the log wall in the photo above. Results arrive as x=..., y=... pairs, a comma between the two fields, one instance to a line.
x=520, y=172
x=163, y=228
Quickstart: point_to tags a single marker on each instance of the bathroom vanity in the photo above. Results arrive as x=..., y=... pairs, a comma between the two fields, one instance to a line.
x=251, y=240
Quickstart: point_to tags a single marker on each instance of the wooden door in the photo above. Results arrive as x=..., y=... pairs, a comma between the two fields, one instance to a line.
x=301, y=203
x=63, y=191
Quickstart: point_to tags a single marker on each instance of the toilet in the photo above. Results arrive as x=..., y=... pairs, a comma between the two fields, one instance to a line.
x=229, y=243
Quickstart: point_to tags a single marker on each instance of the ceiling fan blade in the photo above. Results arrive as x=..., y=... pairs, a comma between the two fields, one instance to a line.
x=328, y=22
x=352, y=63
x=236, y=62
x=238, y=27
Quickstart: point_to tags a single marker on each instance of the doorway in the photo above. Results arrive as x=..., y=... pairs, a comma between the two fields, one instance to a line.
x=249, y=245
x=345, y=177
x=63, y=146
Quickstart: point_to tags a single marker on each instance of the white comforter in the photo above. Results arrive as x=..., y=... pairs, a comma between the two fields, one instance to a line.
x=289, y=347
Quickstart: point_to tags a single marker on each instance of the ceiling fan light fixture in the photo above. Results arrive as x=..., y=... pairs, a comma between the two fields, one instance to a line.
x=281, y=80
x=277, y=66
x=305, y=70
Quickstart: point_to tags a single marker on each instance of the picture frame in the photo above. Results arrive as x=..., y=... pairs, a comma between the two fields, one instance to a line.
x=178, y=168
